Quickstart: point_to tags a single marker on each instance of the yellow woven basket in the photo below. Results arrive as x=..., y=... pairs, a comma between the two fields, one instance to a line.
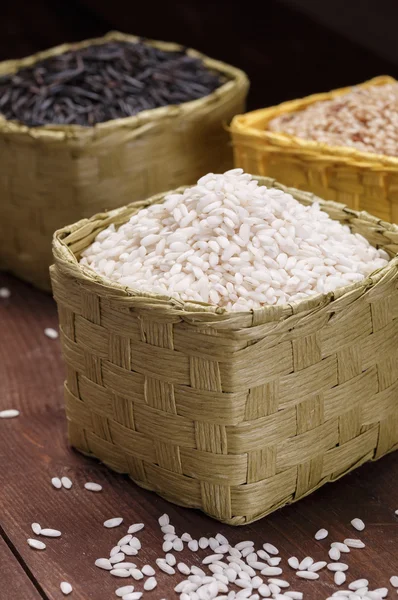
x=53, y=175
x=236, y=414
x=362, y=180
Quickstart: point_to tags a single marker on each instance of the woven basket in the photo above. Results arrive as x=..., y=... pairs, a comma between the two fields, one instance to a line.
x=53, y=175
x=236, y=414
x=362, y=180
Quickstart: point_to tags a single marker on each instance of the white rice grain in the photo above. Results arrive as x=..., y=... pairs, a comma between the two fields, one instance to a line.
x=36, y=544
x=36, y=528
x=103, y=563
x=50, y=533
x=4, y=293
x=334, y=553
x=293, y=562
x=136, y=527
x=66, y=588
x=150, y=584
x=271, y=549
x=117, y=558
x=339, y=577
x=340, y=546
x=170, y=559
x=126, y=539
x=114, y=522
x=244, y=544
x=357, y=584
x=353, y=543
x=279, y=582
x=321, y=534
x=129, y=551
x=93, y=487
x=305, y=563
x=275, y=589
x=183, y=568
x=56, y=482
x=168, y=528
x=393, y=581
x=164, y=520
x=136, y=574
x=125, y=589
x=178, y=545
x=337, y=566
x=221, y=538
x=9, y=413
x=193, y=545
x=264, y=591
x=307, y=575
x=51, y=333
x=358, y=524
x=66, y=482
x=271, y=571
x=163, y=566
x=317, y=566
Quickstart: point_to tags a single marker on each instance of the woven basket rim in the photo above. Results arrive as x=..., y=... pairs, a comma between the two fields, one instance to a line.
x=251, y=124
x=67, y=260
x=236, y=77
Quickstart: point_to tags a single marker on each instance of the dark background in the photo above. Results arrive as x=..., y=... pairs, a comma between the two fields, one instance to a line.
x=287, y=48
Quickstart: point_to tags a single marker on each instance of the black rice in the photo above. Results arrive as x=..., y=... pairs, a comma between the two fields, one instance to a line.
x=103, y=82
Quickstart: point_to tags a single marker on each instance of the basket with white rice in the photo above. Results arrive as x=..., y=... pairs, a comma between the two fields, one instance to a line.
x=232, y=345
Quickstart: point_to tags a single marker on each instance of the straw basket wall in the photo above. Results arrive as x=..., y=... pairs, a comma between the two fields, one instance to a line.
x=53, y=175
x=362, y=180
x=236, y=414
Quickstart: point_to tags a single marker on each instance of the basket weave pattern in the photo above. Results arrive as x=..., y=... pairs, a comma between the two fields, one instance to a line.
x=236, y=414
x=53, y=175
x=361, y=180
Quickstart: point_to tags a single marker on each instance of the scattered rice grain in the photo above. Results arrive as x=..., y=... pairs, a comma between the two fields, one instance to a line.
x=36, y=528
x=93, y=487
x=321, y=534
x=36, y=544
x=150, y=584
x=4, y=293
x=114, y=522
x=66, y=588
x=339, y=577
x=103, y=563
x=136, y=527
x=51, y=333
x=9, y=413
x=125, y=589
x=50, y=533
x=307, y=575
x=358, y=524
x=66, y=482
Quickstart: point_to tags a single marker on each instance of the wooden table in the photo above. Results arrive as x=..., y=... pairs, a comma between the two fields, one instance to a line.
x=33, y=449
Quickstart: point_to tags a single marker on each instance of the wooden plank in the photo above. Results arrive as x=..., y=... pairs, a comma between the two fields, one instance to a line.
x=33, y=448
x=14, y=581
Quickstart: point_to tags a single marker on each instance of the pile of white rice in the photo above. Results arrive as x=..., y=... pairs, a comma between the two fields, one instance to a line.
x=232, y=243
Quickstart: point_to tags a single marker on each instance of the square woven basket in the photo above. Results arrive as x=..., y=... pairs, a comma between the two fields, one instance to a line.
x=236, y=414
x=361, y=180
x=52, y=175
